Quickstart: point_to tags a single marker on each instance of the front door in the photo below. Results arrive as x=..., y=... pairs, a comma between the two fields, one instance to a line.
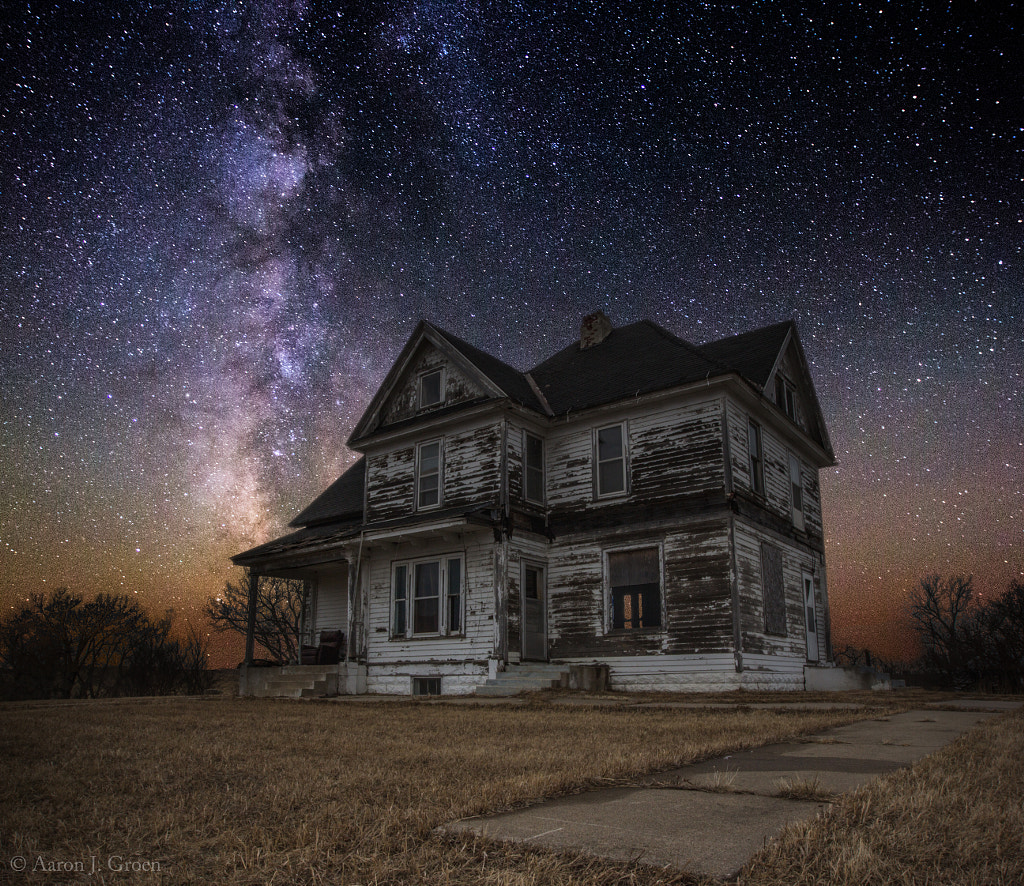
x=812, y=633
x=535, y=636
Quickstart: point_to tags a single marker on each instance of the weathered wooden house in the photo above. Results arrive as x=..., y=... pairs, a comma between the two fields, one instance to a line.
x=634, y=501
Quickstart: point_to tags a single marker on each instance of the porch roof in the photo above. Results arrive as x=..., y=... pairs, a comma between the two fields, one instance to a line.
x=305, y=540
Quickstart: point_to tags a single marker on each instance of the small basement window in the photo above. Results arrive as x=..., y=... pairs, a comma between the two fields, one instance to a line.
x=426, y=685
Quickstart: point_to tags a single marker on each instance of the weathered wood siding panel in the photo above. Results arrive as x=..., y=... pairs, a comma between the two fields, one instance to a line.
x=677, y=451
x=812, y=501
x=404, y=400
x=739, y=456
x=390, y=478
x=696, y=594
x=778, y=492
x=777, y=488
x=698, y=589
x=515, y=461
x=472, y=467
x=795, y=560
x=672, y=451
x=476, y=641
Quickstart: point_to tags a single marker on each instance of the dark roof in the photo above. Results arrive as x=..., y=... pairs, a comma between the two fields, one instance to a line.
x=632, y=360
x=510, y=380
x=342, y=499
x=751, y=354
x=303, y=538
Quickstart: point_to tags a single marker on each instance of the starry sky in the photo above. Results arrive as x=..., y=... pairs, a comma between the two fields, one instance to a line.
x=222, y=220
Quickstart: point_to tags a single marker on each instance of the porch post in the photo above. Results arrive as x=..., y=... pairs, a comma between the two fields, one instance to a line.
x=250, y=629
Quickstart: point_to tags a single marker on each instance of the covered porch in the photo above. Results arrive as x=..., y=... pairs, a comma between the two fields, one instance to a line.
x=327, y=657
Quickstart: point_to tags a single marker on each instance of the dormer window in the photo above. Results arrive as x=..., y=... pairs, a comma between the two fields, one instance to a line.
x=430, y=389
x=785, y=396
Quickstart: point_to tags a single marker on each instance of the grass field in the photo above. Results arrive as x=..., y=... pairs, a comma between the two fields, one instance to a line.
x=230, y=791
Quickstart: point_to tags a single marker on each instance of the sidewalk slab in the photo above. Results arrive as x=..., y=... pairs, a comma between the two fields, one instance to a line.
x=709, y=818
x=650, y=826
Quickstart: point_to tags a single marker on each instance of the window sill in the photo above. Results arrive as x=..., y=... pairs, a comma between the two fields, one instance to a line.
x=402, y=638
x=634, y=632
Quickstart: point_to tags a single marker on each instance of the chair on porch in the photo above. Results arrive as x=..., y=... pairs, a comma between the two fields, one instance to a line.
x=329, y=649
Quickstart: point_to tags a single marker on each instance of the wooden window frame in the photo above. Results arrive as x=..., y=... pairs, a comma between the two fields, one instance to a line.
x=439, y=443
x=527, y=437
x=755, y=459
x=785, y=397
x=624, y=436
x=444, y=599
x=609, y=615
x=796, y=490
x=440, y=388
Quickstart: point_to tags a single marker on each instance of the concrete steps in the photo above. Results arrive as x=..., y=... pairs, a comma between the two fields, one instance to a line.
x=524, y=677
x=300, y=681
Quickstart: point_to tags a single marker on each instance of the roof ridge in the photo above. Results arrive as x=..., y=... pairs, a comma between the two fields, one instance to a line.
x=697, y=350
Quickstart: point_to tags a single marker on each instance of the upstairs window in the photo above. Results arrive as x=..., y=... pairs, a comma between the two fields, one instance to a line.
x=785, y=397
x=611, y=460
x=430, y=389
x=796, y=485
x=533, y=468
x=428, y=475
x=634, y=578
x=756, y=457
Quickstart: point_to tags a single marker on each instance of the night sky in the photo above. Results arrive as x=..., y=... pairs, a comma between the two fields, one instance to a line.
x=221, y=222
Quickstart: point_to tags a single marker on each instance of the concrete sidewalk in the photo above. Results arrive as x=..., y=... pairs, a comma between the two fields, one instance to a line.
x=709, y=818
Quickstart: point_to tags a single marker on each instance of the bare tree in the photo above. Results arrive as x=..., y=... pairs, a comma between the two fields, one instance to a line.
x=993, y=634
x=278, y=613
x=64, y=646
x=939, y=610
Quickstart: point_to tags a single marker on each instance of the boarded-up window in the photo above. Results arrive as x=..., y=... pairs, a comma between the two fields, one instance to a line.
x=635, y=579
x=773, y=589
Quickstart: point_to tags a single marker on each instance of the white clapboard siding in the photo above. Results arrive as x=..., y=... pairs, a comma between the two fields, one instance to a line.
x=477, y=641
x=672, y=450
x=331, y=606
x=795, y=561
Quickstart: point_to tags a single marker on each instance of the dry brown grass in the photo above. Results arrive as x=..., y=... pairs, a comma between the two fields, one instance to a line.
x=230, y=791
x=956, y=818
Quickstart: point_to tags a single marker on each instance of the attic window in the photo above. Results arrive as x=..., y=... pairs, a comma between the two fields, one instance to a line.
x=430, y=389
x=785, y=397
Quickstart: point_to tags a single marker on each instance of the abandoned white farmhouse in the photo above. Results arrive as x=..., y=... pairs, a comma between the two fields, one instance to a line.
x=634, y=501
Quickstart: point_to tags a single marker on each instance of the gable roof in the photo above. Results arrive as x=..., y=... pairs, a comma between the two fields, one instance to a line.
x=511, y=381
x=343, y=499
x=496, y=378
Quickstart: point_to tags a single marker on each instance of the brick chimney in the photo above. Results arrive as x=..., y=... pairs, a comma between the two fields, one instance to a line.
x=594, y=329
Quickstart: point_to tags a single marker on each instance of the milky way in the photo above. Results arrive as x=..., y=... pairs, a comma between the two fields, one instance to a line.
x=222, y=221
